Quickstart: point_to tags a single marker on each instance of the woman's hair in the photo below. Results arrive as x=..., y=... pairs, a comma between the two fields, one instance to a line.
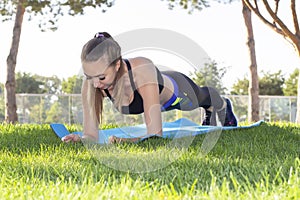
x=101, y=46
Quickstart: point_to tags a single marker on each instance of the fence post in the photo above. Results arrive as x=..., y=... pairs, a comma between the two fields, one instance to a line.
x=41, y=110
x=269, y=109
x=69, y=118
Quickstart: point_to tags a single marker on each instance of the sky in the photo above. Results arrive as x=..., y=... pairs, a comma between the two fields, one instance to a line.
x=219, y=30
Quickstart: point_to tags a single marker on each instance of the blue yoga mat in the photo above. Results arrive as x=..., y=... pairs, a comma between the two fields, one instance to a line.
x=179, y=128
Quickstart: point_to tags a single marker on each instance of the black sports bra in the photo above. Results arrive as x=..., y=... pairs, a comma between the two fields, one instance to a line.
x=137, y=105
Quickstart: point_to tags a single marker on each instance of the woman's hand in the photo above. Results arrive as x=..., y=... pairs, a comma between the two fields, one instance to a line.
x=113, y=139
x=71, y=138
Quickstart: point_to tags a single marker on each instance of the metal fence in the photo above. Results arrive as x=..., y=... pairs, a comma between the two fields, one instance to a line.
x=66, y=108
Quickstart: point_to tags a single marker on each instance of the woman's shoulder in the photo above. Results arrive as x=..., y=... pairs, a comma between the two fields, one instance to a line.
x=140, y=61
x=143, y=68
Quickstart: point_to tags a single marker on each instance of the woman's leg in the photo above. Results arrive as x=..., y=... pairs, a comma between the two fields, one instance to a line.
x=194, y=97
x=213, y=104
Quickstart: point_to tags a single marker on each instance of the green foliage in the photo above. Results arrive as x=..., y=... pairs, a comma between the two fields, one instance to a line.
x=72, y=85
x=210, y=75
x=47, y=108
x=2, y=107
x=1, y=88
x=269, y=84
x=291, y=84
x=257, y=163
x=52, y=85
x=77, y=6
x=38, y=112
x=35, y=84
x=55, y=113
x=49, y=12
x=240, y=87
x=26, y=83
x=188, y=5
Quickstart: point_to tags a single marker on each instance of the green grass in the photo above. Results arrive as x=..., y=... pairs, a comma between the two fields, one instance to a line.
x=257, y=163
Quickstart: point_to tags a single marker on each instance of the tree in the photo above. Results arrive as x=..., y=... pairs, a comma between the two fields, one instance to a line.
x=189, y=5
x=72, y=85
x=289, y=85
x=253, y=110
x=269, y=84
x=240, y=87
x=56, y=113
x=210, y=75
x=52, y=85
x=10, y=85
x=272, y=19
x=26, y=83
x=47, y=10
x=36, y=84
x=38, y=112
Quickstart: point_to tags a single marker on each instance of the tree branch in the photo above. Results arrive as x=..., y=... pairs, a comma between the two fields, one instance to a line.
x=284, y=28
x=262, y=18
x=276, y=10
x=295, y=19
x=256, y=4
x=276, y=6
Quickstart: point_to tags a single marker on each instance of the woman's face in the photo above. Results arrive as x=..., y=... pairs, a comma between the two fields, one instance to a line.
x=100, y=73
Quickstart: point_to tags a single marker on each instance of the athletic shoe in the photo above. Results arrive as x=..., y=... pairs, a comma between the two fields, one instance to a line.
x=230, y=119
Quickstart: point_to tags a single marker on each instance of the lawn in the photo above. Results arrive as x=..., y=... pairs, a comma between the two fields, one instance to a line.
x=258, y=163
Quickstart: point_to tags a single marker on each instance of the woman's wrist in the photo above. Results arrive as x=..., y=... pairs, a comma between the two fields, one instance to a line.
x=88, y=138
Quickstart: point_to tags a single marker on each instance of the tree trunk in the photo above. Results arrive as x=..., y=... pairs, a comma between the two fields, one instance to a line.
x=253, y=108
x=298, y=88
x=297, y=120
x=10, y=84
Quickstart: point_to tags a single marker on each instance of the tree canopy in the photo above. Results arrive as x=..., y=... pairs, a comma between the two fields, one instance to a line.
x=269, y=84
x=48, y=12
x=210, y=75
x=26, y=83
x=190, y=6
x=290, y=87
x=36, y=84
x=72, y=85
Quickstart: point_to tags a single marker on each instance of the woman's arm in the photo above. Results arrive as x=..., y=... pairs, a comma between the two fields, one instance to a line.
x=90, y=124
x=152, y=108
x=146, y=83
x=147, y=86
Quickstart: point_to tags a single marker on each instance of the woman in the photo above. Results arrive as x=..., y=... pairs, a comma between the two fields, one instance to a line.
x=136, y=86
